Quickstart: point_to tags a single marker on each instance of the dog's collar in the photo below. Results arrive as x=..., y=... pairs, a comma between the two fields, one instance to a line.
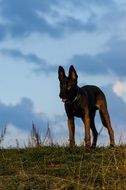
x=76, y=97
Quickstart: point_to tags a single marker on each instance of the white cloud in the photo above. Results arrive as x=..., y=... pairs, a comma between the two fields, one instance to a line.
x=119, y=88
x=14, y=136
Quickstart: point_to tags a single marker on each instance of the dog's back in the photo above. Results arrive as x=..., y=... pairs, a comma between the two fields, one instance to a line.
x=93, y=94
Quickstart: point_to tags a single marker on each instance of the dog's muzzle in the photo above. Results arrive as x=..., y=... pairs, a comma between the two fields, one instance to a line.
x=64, y=99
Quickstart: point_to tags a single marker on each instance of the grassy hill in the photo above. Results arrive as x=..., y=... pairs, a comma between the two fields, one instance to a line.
x=63, y=168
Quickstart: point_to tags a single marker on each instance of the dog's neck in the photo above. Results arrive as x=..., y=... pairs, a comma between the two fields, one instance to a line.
x=75, y=98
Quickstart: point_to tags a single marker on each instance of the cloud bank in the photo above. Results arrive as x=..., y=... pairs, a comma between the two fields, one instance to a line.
x=55, y=19
x=111, y=61
x=22, y=115
x=22, y=19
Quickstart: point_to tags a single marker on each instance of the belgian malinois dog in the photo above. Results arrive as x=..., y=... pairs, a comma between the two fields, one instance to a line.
x=83, y=102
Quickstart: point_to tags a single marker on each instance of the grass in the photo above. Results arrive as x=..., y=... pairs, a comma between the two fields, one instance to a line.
x=61, y=168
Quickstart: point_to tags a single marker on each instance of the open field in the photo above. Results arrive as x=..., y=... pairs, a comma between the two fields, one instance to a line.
x=63, y=168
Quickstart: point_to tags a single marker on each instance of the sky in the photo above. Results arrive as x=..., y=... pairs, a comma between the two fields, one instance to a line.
x=36, y=36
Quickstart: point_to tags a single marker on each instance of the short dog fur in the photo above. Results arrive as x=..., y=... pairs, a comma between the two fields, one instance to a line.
x=83, y=102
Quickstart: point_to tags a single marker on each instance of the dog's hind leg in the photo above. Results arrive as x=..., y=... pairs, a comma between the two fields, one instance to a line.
x=86, y=121
x=93, y=128
x=106, y=122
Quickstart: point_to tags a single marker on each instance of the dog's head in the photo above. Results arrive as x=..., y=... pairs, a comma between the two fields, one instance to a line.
x=68, y=84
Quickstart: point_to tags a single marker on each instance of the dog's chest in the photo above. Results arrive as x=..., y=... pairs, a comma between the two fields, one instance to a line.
x=74, y=109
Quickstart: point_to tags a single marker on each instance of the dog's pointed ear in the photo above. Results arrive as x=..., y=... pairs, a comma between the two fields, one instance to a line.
x=72, y=73
x=61, y=73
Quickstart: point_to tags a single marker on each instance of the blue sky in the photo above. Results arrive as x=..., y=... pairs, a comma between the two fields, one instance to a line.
x=38, y=36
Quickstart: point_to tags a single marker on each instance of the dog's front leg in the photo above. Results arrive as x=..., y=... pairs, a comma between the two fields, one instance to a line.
x=71, y=127
x=86, y=120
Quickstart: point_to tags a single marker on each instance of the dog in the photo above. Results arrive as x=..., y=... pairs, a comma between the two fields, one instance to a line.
x=83, y=102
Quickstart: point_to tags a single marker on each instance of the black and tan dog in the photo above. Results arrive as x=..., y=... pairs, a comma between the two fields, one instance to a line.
x=83, y=103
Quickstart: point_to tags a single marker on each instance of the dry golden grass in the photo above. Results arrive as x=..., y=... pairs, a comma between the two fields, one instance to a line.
x=57, y=167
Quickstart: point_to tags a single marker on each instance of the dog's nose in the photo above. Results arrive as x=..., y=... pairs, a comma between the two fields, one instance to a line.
x=60, y=95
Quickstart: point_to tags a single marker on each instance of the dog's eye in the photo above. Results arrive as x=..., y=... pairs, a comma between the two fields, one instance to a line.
x=69, y=86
